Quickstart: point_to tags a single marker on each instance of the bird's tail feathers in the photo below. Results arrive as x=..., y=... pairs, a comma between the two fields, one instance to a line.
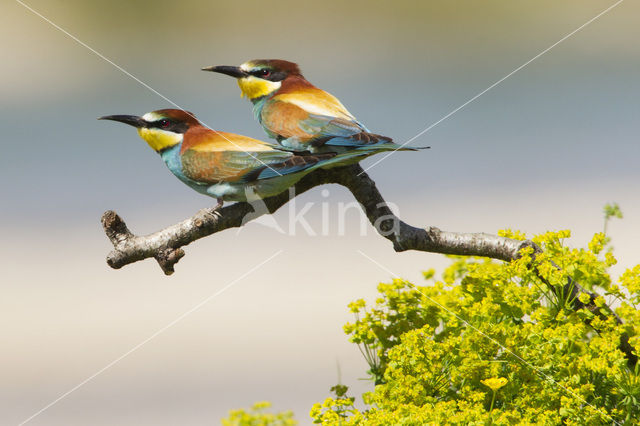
x=368, y=142
x=296, y=163
x=390, y=146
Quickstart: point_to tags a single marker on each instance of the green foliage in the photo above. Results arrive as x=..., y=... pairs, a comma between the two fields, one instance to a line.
x=257, y=416
x=498, y=343
x=611, y=210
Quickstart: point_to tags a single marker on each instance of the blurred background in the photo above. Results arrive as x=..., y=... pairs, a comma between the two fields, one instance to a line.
x=544, y=150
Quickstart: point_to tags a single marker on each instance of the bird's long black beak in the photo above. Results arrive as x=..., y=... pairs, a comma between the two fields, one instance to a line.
x=132, y=120
x=236, y=72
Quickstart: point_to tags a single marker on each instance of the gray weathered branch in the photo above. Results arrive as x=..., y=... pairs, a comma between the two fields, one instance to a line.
x=166, y=245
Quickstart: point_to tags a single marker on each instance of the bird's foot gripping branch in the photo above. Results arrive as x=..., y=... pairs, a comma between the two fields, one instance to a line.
x=166, y=245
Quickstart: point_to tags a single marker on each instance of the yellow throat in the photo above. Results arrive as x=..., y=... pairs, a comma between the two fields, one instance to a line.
x=159, y=139
x=253, y=87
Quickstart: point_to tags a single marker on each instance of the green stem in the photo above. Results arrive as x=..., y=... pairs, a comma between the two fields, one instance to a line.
x=493, y=400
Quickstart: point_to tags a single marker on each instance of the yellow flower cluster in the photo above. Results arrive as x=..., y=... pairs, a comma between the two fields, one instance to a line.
x=547, y=354
x=257, y=416
x=434, y=350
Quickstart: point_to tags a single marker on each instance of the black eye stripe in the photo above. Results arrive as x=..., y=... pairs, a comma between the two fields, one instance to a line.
x=260, y=73
x=269, y=74
x=169, y=125
x=163, y=123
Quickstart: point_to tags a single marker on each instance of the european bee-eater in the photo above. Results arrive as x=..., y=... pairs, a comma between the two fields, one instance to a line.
x=297, y=114
x=223, y=165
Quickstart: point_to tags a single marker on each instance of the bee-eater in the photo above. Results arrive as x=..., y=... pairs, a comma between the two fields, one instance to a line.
x=297, y=114
x=223, y=165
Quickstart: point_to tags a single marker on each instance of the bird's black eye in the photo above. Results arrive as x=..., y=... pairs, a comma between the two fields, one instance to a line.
x=265, y=72
x=164, y=123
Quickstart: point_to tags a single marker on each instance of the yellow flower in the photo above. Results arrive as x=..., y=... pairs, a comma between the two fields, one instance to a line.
x=597, y=243
x=494, y=383
x=584, y=298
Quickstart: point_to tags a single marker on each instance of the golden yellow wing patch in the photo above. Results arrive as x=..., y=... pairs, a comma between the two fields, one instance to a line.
x=316, y=101
x=214, y=141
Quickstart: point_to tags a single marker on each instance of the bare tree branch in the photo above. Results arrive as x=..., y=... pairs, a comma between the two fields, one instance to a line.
x=166, y=245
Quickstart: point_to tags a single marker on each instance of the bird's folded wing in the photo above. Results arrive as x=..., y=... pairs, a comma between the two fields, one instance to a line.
x=209, y=156
x=291, y=120
x=294, y=164
x=228, y=166
x=316, y=101
x=225, y=157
